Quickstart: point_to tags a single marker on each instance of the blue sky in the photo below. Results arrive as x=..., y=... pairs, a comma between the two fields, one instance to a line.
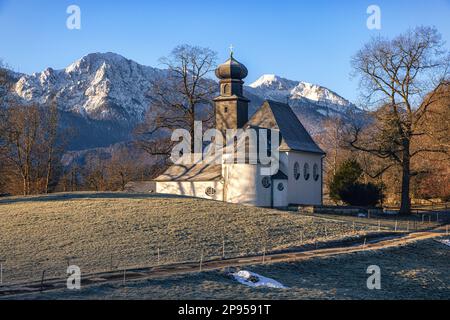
x=311, y=41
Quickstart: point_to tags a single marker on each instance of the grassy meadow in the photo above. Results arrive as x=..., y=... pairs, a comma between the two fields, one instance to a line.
x=106, y=231
x=416, y=271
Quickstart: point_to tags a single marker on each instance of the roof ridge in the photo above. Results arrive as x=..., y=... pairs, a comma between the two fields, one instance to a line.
x=294, y=134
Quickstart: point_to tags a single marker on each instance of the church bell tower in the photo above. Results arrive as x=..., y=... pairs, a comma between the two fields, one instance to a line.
x=231, y=107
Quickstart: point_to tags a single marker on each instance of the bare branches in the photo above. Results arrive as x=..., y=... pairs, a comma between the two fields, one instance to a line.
x=402, y=72
x=181, y=96
x=31, y=147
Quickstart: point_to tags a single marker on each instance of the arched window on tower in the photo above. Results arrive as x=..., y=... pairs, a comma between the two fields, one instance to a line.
x=226, y=89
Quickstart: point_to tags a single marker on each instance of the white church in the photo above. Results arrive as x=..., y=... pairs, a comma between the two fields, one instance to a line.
x=299, y=179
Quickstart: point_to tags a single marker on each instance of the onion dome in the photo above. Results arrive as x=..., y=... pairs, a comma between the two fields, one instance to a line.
x=231, y=69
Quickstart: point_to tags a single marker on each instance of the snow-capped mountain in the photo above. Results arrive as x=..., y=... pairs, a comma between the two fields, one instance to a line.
x=102, y=86
x=104, y=95
x=107, y=86
x=321, y=99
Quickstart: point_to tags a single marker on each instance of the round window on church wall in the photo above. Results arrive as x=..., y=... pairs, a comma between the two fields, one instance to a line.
x=297, y=171
x=210, y=191
x=306, y=173
x=266, y=182
x=316, y=174
x=280, y=186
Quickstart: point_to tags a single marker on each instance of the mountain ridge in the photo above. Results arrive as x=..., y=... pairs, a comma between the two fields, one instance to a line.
x=109, y=78
x=101, y=89
x=272, y=86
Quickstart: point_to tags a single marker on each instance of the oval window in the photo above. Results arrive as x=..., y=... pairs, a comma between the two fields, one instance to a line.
x=306, y=173
x=210, y=191
x=280, y=186
x=297, y=171
x=266, y=182
x=316, y=174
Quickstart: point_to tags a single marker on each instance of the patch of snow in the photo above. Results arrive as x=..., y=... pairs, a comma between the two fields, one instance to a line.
x=445, y=241
x=107, y=86
x=323, y=112
x=104, y=86
x=273, y=82
x=270, y=86
x=255, y=280
x=390, y=212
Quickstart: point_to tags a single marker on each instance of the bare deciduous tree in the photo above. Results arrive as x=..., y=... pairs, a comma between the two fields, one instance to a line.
x=30, y=146
x=332, y=140
x=20, y=132
x=403, y=75
x=179, y=97
x=121, y=169
x=433, y=180
x=51, y=135
x=94, y=174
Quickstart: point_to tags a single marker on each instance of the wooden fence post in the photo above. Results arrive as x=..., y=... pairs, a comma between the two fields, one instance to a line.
x=264, y=255
x=42, y=280
x=1, y=270
x=201, y=260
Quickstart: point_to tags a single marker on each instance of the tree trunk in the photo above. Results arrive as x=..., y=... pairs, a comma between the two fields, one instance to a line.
x=192, y=133
x=122, y=181
x=48, y=175
x=24, y=181
x=405, y=206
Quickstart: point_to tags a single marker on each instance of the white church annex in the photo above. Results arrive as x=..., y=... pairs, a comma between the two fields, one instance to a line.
x=298, y=180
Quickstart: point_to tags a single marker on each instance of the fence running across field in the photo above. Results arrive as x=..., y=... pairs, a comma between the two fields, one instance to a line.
x=223, y=245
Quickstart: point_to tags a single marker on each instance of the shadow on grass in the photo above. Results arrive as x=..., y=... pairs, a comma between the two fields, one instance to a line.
x=88, y=195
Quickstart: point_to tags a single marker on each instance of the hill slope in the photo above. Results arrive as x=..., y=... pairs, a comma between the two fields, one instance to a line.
x=97, y=230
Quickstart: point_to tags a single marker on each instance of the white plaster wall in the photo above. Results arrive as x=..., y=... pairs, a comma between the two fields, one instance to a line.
x=194, y=189
x=284, y=162
x=264, y=194
x=301, y=191
x=280, y=198
x=245, y=185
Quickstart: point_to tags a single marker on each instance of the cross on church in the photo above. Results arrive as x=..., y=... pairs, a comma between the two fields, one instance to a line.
x=242, y=184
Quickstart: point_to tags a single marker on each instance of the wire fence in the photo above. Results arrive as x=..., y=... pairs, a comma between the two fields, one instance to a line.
x=312, y=231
